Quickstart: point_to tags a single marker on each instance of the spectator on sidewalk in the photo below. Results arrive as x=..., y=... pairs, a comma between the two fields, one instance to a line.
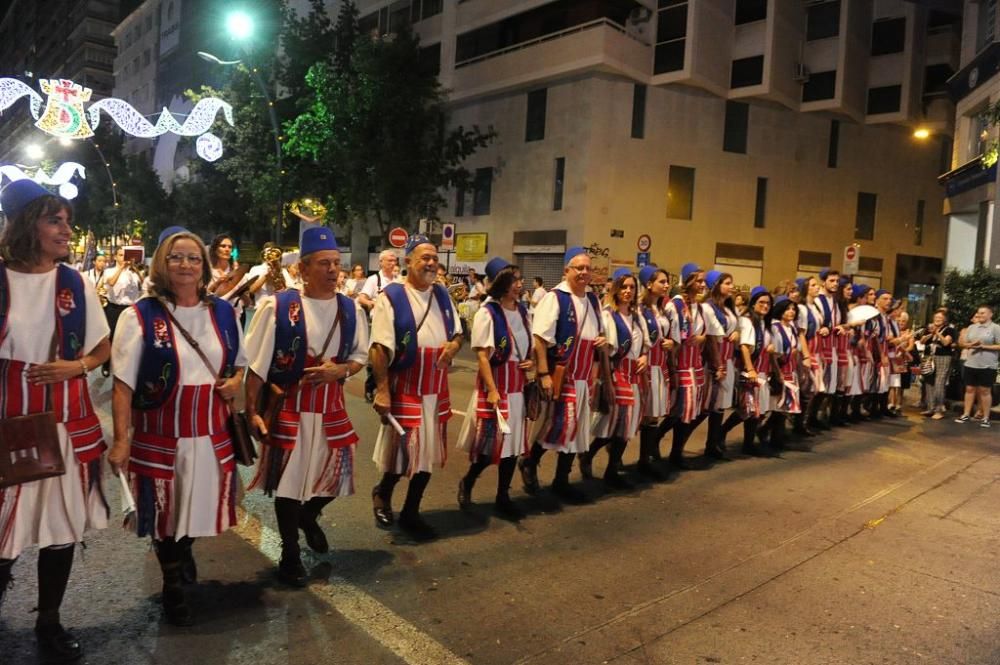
x=942, y=345
x=538, y=293
x=982, y=342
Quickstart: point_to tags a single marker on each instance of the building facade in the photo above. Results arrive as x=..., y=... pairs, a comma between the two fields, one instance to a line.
x=758, y=136
x=137, y=40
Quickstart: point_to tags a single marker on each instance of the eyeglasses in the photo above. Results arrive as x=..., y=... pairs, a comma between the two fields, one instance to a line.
x=178, y=259
x=580, y=268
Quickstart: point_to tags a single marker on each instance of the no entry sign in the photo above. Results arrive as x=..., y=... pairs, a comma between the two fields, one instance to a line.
x=397, y=237
x=852, y=259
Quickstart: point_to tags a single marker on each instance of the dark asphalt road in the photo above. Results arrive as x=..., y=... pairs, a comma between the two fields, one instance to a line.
x=880, y=546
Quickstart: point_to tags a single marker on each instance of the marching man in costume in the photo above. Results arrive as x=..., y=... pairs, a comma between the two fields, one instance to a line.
x=306, y=344
x=46, y=307
x=415, y=335
x=178, y=362
x=831, y=331
x=501, y=337
x=567, y=330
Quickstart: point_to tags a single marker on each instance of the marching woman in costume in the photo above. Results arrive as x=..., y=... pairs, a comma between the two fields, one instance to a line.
x=863, y=377
x=787, y=343
x=306, y=344
x=52, y=333
x=628, y=343
x=809, y=320
x=722, y=324
x=689, y=333
x=178, y=363
x=658, y=393
x=501, y=337
x=753, y=395
x=415, y=335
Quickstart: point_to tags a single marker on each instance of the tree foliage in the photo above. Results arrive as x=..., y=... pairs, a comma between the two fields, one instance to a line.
x=965, y=291
x=375, y=129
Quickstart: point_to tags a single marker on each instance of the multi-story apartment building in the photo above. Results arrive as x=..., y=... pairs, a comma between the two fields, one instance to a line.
x=54, y=39
x=971, y=183
x=137, y=39
x=759, y=136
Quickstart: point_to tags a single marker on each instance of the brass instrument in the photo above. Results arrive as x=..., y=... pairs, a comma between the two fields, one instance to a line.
x=275, y=275
x=102, y=291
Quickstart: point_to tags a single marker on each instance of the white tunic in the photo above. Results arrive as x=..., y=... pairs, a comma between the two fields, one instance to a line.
x=748, y=337
x=724, y=395
x=311, y=453
x=432, y=334
x=482, y=338
x=53, y=511
x=126, y=289
x=543, y=325
x=197, y=476
x=606, y=422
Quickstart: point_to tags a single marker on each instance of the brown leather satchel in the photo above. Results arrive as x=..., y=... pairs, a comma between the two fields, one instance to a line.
x=29, y=445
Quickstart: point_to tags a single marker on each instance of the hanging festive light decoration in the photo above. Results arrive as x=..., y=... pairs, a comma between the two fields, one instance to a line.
x=64, y=115
x=62, y=178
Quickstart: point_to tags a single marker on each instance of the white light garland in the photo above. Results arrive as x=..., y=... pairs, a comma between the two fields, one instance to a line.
x=64, y=115
x=61, y=178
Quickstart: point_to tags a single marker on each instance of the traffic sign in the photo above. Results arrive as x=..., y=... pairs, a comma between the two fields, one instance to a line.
x=447, y=237
x=398, y=236
x=642, y=259
x=852, y=260
x=644, y=242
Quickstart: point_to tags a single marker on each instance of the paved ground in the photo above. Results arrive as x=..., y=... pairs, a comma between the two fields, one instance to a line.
x=880, y=546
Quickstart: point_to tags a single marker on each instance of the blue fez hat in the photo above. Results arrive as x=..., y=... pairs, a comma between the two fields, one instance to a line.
x=647, y=273
x=495, y=265
x=317, y=239
x=825, y=272
x=572, y=253
x=712, y=278
x=756, y=292
x=17, y=195
x=415, y=241
x=169, y=231
x=881, y=292
x=860, y=290
x=780, y=304
x=802, y=283
x=843, y=281
x=620, y=273
x=689, y=269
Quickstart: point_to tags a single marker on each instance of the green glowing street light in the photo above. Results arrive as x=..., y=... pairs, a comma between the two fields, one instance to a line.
x=239, y=25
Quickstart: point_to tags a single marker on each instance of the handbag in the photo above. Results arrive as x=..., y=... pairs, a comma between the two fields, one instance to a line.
x=29, y=445
x=532, y=392
x=237, y=423
x=927, y=366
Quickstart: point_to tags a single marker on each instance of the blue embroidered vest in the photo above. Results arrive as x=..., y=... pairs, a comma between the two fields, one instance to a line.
x=288, y=361
x=405, y=324
x=503, y=338
x=566, y=325
x=70, y=310
x=158, y=368
x=652, y=325
x=624, y=336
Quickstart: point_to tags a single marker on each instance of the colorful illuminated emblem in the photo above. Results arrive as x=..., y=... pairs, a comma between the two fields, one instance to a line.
x=64, y=115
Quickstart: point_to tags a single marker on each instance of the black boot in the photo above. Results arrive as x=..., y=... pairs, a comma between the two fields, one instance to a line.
x=666, y=425
x=465, y=485
x=410, y=520
x=175, y=607
x=750, y=427
x=813, y=421
x=309, y=523
x=189, y=569
x=382, y=500
x=649, y=444
x=856, y=415
x=290, y=568
x=613, y=478
x=715, y=442
x=681, y=433
x=55, y=643
x=586, y=460
x=503, y=506
x=560, y=484
x=6, y=578
x=528, y=466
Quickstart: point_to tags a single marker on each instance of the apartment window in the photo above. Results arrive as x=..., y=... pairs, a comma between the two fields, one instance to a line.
x=918, y=225
x=460, y=201
x=885, y=99
x=734, y=135
x=145, y=58
x=639, y=111
x=430, y=58
x=135, y=64
x=482, y=191
x=680, y=192
x=671, y=36
x=534, y=129
x=823, y=20
x=979, y=135
x=833, y=148
x=864, y=224
x=888, y=36
x=760, y=208
x=821, y=85
x=431, y=8
x=986, y=20
x=557, y=189
x=368, y=24
x=748, y=11
x=746, y=72
x=936, y=78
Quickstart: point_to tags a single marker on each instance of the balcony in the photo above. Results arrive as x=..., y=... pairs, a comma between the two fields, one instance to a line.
x=600, y=45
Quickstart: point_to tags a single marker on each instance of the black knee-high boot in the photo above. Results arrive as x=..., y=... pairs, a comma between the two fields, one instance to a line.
x=731, y=422
x=409, y=517
x=813, y=421
x=290, y=568
x=467, y=482
x=586, y=459
x=55, y=643
x=856, y=415
x=503, y=506
x=715, y=443
x=528, y=465
x=681, y=433
x=649, y=445
x=612, y=476
x=777, y=427
x=175, y=607
x=6, y=578
x=749, y=434
x=309, y=523
x=666, y=425
x=560, y=484
x=382, y=500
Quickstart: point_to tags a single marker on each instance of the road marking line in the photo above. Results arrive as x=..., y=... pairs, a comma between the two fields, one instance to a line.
x=379, y=622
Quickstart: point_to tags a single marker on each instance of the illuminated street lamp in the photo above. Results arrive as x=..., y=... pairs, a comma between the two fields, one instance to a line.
x=34, y=152
x=239, y=25
x=921, y=133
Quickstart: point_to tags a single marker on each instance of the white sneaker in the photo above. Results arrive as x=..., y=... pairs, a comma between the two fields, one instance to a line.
x=985, y=423
x=963, y=419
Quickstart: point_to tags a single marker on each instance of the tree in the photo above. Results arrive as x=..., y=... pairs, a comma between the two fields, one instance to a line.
x=375, y=130
x=965, y=291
